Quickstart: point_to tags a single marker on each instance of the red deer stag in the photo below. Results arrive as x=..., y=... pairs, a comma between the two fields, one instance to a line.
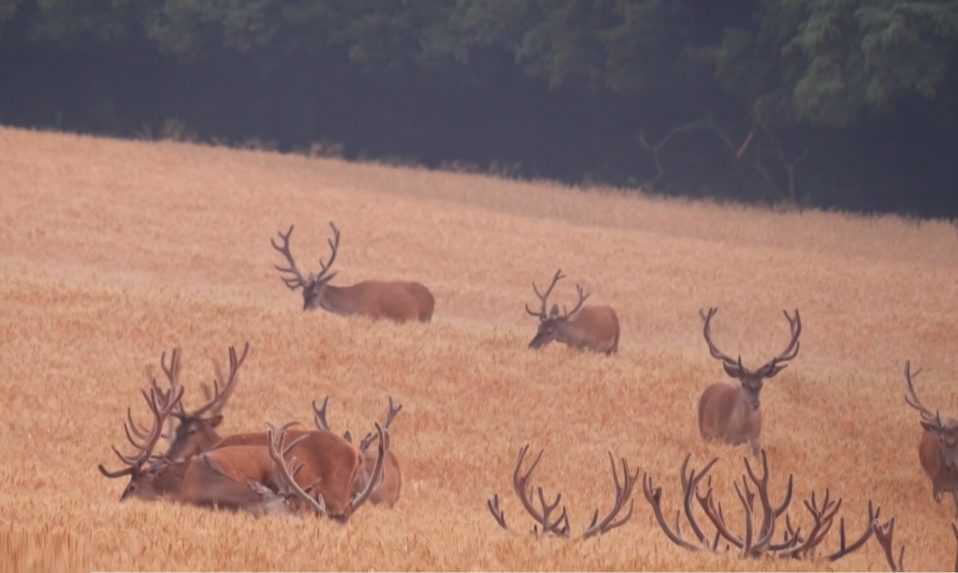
x=759, y=537
x=196, y=431
x=558, y=525
x=938, y=449
x=388, y=490
x=593, y=327
x=730, y=412
x=394, y=300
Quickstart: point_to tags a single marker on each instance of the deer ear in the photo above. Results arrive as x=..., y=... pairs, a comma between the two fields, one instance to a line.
x=216, y=420
x=775, y=370
x=931, y=427
x=554, y=312
x=732, y=370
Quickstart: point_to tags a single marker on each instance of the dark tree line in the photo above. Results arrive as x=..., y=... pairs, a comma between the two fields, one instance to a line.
x=836, y=103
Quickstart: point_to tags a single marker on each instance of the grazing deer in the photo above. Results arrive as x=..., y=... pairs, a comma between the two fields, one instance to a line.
x=196, y=431
x=388, y=490
x=938, y=449
x=593, y=327
x=730, y=412
x=394, y=300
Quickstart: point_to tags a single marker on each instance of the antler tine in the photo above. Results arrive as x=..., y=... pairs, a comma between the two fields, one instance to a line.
x=334, y=247
x=623, y=494
x=690, y=482
x=220, y=397
x=319, y=415
x=885, y=533
x=277, y=453
x=582, y=298
x=297, y=279
x=497, y=512
x=544, y=298
x=727, y=360
x=911, y=396
x=654, y=496
x=844, y=549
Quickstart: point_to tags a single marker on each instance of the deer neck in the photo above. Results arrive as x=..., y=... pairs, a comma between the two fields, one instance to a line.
x=337, y=300
x=745, y=420
x=169, y=478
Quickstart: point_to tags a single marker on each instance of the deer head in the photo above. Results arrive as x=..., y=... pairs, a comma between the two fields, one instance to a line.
x=142, y=466
x=197, y=429
x=552, y=324
x=945, y=430
x=752, y=380
x=312, y=284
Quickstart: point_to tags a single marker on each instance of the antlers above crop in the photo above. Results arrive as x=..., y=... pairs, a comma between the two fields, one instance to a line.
x=911, y=398
x=161, y=404
x=296, y=279
x=753, y=543
x=319, y=418
x=543, y=313
x=734, y=366
x=549, y=524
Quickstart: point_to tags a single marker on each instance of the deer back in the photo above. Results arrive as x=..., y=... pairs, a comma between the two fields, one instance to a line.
x=399, y=301
x=725, y=414
x=595, y=327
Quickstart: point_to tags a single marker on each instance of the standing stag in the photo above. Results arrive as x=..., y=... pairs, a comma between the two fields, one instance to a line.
x=593, y=327
x=938, y=449
x=730, y=412
x=394, y=300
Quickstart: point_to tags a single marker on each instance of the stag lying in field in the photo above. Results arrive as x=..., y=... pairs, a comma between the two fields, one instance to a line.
x=885, y=534
x=558, y=525
x=234, y=475
x=388, y=489
x=394, y=300
x=758, y=539
x=938, y=449
x=592, y=327
x=731, y=412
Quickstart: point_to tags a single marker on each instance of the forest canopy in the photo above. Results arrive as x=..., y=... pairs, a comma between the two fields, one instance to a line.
x=846, y=104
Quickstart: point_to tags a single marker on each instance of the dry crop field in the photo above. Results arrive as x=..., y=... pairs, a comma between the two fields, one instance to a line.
x=112, y=252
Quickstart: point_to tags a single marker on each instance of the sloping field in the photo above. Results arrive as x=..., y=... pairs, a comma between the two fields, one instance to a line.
x=112, y=252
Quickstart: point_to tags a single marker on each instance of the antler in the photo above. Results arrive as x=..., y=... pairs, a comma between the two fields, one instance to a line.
x=559, y=526
x=215, y=404
x=733, y=367
x=774, y=365
x=690, y=482
x=911, y=398
x=278, y=452
x=319, y=416
x=623, y=493
x=160, y=404
x=297, y=279
x=391, y=412
x=885, y=533
x=543, y=298
x=582, y=297
x=382, y=436
x=334, y=248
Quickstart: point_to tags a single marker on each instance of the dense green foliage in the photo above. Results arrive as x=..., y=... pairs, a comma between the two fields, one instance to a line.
x=847, y=103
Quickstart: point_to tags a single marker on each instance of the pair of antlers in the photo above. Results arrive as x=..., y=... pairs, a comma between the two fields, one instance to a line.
x=756, y=541
x=734, y=367
x=558, y=526
x=319, y=418
x=296, y=279
x=542, y=313
x=288, y=467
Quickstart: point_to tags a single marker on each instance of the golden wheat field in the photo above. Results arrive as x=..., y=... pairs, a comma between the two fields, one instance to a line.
x=113, y=251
